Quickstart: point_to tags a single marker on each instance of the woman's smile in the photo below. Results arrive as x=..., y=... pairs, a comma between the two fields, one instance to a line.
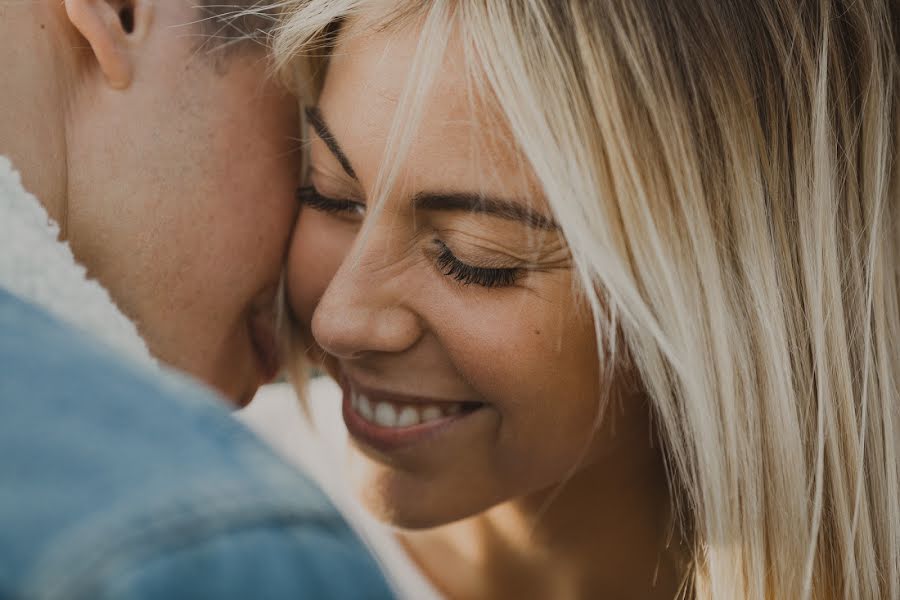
x=388, y=421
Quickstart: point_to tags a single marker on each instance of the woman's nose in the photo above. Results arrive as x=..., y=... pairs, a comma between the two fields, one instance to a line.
x=363, y=311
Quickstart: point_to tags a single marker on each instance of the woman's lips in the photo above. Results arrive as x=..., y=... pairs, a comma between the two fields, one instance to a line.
x=387, y=421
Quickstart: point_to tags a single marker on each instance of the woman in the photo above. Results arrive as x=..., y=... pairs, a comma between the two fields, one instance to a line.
x=611, y=289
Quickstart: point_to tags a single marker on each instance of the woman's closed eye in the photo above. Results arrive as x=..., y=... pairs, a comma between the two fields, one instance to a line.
x=445, y=260
x=344, y=208
x=488, y=277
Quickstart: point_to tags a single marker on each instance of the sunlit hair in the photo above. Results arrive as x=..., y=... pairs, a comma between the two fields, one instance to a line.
x=725, y=175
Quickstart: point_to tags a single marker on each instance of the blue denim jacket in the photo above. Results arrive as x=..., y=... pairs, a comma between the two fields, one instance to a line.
x=119, y=483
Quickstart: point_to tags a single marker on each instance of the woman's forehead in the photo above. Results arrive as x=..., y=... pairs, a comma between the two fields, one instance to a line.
x=460, y=128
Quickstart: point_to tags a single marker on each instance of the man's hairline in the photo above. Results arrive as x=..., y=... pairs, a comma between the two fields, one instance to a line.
x=226, y=39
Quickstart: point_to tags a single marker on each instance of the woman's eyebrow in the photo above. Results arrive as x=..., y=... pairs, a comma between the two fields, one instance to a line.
x=314, y=115
x=443, y=201
x=505, y=209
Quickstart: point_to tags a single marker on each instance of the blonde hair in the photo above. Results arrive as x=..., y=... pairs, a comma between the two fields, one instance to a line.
x=725, y=174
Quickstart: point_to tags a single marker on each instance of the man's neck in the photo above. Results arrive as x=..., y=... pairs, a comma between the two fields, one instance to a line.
x=32, y=116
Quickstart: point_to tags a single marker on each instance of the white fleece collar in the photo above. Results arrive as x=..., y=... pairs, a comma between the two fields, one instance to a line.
x=38, y=268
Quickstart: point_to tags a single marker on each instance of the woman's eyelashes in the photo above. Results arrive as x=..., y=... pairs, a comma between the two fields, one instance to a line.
x=308, y=196
x=489, y=277
x=447, y=263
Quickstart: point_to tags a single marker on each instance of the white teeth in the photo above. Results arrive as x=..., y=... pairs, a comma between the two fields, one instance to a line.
x=365, y=408
x=431, y=413
x=408, y=417
x=385, y=414
x=388, y=414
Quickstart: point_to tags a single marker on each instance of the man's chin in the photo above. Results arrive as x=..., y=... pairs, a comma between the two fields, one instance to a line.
x=241, y=392
x=238, y=394
x=236, y=372
x=236, y=385
x=245, y=400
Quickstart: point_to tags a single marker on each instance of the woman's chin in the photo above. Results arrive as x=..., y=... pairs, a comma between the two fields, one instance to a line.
x=406, y=502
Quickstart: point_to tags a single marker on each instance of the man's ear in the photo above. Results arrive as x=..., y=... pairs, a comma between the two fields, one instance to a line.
x=110, y=27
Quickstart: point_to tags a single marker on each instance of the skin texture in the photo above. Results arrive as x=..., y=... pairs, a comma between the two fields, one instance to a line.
x=171, y=172
x=485, y=493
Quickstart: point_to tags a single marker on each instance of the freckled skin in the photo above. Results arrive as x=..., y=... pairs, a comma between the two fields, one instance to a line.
x=441, y=338
x=384, y=313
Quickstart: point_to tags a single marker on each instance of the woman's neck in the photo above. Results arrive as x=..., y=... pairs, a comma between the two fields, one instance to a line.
x=604, y=534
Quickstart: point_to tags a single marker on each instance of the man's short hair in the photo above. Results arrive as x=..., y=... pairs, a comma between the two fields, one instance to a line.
x=235, y=24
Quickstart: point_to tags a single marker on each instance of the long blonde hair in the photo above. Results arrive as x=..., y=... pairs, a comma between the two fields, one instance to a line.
x=725, y=174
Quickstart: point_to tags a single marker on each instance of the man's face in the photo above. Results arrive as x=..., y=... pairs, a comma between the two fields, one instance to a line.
x=181, y=198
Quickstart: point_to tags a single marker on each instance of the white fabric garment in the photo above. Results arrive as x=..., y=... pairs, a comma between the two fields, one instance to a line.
x=317, y=442
x=37, y=267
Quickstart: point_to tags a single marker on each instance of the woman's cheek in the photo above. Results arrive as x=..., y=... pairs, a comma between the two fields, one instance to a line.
x=523, y=351
x=506, y=348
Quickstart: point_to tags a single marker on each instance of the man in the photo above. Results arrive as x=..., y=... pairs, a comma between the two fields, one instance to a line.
x=169, y=159
x=161, y=165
